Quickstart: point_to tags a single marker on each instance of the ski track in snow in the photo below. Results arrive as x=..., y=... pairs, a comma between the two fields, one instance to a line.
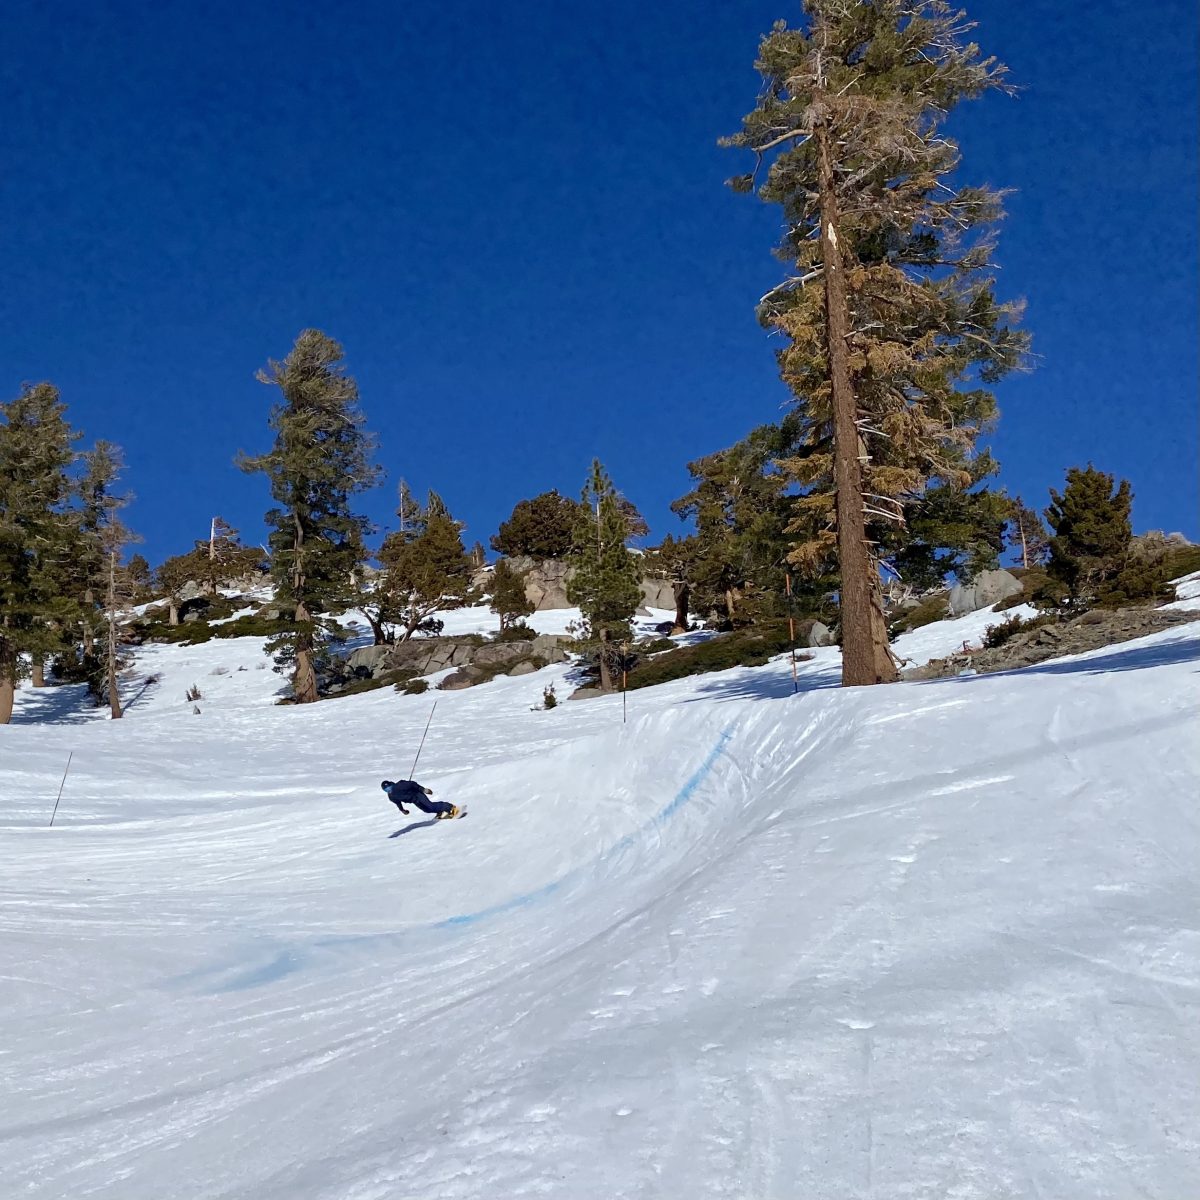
x=935, y=940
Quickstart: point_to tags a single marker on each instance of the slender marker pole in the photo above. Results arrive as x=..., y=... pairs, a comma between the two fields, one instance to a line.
x=423, y=736
x=624, y=678
x=792, y=629
x=60, y=788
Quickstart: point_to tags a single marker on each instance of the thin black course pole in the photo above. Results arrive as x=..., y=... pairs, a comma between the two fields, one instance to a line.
x=624, y=678
x=792, y=629
x=423, y=736
x=60, y=788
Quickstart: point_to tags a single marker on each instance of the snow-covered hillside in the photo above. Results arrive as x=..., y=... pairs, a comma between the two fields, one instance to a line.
x=931, y=940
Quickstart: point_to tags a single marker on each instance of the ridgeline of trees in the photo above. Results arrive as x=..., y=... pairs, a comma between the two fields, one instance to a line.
x=893, y=338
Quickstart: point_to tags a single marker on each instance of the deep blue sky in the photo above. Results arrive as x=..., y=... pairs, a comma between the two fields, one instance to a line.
x=513, y=218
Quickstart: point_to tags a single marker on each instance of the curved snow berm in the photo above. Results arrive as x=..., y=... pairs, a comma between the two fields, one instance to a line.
x=928, y=940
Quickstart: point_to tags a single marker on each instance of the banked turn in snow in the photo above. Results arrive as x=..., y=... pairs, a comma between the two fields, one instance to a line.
x=929, y=940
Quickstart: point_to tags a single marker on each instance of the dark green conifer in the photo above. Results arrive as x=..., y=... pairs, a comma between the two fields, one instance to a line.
x=740, y=506
x=105, y=583
x=426, y=569
x=321, y=457
x=509, y=601
x=540, y=528
x=1091, y=531
x=37, y=532
x=606, y=579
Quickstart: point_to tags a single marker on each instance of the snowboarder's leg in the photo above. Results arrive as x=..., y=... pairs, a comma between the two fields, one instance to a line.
x=436, y=808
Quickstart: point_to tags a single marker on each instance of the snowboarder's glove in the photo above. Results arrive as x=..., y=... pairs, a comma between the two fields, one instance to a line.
x=427, y=791
x=402, y=809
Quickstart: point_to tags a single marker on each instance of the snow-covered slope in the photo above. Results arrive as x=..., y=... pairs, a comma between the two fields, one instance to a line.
x=931, y=940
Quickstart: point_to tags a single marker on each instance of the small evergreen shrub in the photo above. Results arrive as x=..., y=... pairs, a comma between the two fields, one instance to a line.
x=414, y=687
x=932, y=608
x=657, y=646
x=998, y=635
x=549, y=697
x=520, y=632
x=193, y=694
x=356, y=687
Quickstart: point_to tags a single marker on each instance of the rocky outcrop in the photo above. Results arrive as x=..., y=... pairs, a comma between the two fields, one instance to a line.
x=545, y=581
x=472, y=658
x=658, y=593
x=546, y=584
x=819, y=635
x=986, y=589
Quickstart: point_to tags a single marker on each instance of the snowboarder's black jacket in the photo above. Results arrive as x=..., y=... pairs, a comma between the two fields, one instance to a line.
x=407, y=791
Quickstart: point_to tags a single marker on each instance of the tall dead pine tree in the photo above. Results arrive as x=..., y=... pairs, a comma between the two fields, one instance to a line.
x=890, y=314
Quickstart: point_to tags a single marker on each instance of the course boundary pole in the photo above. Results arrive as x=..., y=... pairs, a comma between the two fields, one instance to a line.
x=60, y=788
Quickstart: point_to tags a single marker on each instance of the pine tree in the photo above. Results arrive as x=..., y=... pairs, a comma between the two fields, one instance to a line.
x=141, y=578
x=947, y=531
x=1026, y=533
x=321, y=457
x=224, y=557
x=173, y=575
x=605, y=583
x=540, y=528
x=106, y=584
x=891, y=319
x=676, y=559
x=740, y=508
x=509, y=601
x=36, y=532
x=1091, y=531
x=426, y=569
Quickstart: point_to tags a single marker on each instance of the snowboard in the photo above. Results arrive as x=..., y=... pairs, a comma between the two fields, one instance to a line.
x=462, y=812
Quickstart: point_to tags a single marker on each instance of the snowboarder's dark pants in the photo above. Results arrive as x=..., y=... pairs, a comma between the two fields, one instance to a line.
x=408, y=792
x=426, y=805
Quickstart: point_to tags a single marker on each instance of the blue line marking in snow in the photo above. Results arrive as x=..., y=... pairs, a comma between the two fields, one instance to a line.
x=684, y=794
x=291, y=960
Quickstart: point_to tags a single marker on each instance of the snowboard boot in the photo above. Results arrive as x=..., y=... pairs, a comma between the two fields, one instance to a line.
x=449, y=816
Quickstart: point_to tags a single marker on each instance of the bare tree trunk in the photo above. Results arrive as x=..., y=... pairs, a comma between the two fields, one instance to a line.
x=606, y=684
x=1024, y=547
x=212, y=558
x=8, y=681
x=173, y=611
x=683, y=595
x=865, y=655
x=376, y=625
x=39, y=671
x=89, y=640
x=304, y=681
x=114, y=695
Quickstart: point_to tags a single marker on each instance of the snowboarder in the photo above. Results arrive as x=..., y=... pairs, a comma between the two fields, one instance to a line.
x=407, y=791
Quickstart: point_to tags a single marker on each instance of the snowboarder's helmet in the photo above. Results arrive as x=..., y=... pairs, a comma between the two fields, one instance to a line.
x=387, y=783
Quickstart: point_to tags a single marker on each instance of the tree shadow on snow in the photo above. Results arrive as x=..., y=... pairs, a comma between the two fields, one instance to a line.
x=1134, y=659
x=773, y=684
x=58, y=704
x=414, y=825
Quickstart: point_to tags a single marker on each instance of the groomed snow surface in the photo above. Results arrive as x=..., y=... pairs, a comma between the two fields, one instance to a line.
x=932, y=940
